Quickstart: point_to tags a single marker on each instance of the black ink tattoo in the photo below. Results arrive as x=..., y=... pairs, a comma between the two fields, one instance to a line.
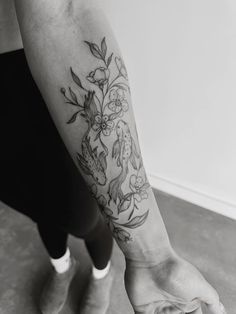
x=124, y=150
x=90, y=162
x=100, y=106
x=138, y=186
x=113, y=223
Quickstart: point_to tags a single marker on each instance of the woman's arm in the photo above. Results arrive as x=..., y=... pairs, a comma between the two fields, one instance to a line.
x=79, y=69
x=80, y=72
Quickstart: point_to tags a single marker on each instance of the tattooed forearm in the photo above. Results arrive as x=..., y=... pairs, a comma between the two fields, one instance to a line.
x=108, y=137
x=117, y=227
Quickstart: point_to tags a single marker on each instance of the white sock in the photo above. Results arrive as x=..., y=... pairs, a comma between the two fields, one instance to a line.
x=101, y=273
x=61, y=264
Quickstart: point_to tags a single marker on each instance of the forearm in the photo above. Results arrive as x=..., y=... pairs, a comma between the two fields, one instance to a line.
x=78, y=67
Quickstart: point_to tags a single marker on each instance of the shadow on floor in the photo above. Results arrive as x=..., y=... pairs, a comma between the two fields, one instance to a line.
x=202, y=237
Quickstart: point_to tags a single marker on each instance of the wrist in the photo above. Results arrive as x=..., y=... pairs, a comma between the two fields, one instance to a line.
x=150, y=257
x=149, y=243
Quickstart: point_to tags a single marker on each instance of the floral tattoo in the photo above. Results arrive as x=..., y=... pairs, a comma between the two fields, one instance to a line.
x=102, y=106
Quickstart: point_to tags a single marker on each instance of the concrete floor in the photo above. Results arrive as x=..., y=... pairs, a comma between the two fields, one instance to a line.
x=204, y=238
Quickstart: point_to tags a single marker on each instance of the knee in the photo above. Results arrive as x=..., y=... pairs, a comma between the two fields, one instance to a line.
x=98, y=230
x=88, y=227
x=85, y=219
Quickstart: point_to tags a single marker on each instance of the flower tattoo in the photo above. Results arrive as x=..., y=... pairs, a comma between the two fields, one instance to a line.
x=138, y=186
x=100, y=100
x=118, y=103
x=99, y=77
x=103, y=124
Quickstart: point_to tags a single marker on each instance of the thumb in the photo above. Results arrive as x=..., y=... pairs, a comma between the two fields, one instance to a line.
x=213, y=303
x=216, y=308
x=211, y=298
x=188, y=307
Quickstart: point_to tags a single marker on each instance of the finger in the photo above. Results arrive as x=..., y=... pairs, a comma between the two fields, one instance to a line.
x=216, y=308
x=176, y=308
x=212, y=301
x=214, y=305
x=169, y=310
x=189, y=307
x=169, y=307
x=160, y=307
x=198, y=311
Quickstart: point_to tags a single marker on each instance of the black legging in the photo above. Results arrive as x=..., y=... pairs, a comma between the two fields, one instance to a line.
x=98, y=242
x=38, y=177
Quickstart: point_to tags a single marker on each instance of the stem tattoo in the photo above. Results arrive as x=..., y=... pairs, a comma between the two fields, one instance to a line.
x=102, y=107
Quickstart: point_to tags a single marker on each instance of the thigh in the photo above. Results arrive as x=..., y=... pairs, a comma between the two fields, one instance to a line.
x=37, y=175
x=66, y=197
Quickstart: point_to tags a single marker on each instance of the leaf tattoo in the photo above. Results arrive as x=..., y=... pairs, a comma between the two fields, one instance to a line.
x=94, y=50
x=73, y=118
x=109, y=60
x=136, y=221
x=104, y=48
x=101, y=105
x=76, y=79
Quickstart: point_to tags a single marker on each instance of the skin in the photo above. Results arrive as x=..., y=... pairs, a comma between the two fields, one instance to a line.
x=10, y=37
x=54, y=34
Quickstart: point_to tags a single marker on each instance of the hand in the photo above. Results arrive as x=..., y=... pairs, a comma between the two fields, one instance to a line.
x=173, y=286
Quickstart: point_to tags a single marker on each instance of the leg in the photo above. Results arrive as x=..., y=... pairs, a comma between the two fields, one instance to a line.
x=98, y=294
x=89, y=99
x=97, y=237
x=69, y=205
x=99, y=243
x=56, y=289
x=53, y=238
x=54, y=195
x=87, y=223
x=68, y=202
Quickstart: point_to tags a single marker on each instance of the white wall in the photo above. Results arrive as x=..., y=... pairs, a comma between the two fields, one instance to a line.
x=181, y=59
